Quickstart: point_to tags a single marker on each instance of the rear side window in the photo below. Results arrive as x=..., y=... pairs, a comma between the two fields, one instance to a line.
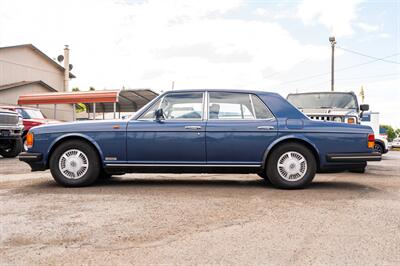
x=262, y=112
x=236, y=106
x=228, y=105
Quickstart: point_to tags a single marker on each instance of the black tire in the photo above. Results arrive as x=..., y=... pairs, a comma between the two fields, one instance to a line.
x=379, y=147
x=309, y=165
x=264, y=176
x=104, y=175
x=93, y=169
x=358, y=170
x=14, y=148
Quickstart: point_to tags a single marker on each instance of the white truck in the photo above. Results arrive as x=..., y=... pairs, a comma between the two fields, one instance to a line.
x=337, y=107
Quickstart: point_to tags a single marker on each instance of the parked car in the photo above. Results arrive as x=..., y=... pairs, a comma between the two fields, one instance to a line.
x=10, y=133
x=338, y=107
x=203, y=131
x=31, y=117
x=396, y=143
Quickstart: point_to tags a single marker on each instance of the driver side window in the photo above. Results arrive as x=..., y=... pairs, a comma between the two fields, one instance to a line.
x=178, y=106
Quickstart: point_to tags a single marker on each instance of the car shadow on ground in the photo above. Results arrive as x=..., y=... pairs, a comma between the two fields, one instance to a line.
x=118, y=184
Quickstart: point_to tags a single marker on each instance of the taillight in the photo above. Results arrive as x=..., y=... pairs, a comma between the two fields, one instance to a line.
x=371, y=141
x=29, y=140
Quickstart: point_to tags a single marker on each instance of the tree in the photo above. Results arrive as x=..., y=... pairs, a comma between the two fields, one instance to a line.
x=92, y=88
x=389, y=131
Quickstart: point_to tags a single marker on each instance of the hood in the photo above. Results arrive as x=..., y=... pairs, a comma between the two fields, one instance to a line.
x=42, y=121
x=329, y=111
x=4, y=111
x=81, y=126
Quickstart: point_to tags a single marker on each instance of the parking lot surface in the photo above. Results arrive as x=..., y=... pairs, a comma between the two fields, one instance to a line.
x=342, y=218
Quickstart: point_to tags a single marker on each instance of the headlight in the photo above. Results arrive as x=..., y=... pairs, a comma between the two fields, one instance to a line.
x=20, y=121
x=351, y=120
x=337, y=119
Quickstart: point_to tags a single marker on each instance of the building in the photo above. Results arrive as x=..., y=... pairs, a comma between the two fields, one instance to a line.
x=24, y=69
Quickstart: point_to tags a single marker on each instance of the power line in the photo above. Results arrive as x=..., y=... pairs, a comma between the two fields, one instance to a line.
x=369, y=56
x=373, y=76
x=337, y=70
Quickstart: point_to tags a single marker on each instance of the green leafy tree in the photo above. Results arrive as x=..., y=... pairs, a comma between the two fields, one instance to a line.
x=92, y=88
x=389, y=131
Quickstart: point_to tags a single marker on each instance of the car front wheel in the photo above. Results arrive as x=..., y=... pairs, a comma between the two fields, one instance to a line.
x=291, y=166
x=75, y=163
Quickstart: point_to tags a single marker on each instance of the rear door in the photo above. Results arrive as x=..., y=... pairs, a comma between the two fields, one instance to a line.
x=239, y=128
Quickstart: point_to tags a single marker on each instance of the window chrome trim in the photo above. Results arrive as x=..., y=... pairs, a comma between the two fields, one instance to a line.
x=238, y=120
x=161, y=101
x=206, y=107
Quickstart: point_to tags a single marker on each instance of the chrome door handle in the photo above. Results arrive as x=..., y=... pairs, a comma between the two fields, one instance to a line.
x=192, y=127
x=265, y=127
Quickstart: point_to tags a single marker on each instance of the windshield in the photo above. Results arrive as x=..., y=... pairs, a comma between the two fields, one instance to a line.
x=30, y=114
x=323, y=100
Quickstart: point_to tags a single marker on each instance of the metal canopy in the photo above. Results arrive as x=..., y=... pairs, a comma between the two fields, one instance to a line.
x=106, y=101
x=69, y=97
x=127, y=101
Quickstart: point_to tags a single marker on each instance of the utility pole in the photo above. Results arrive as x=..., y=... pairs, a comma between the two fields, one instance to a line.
x=173, y=85
x=333, y=42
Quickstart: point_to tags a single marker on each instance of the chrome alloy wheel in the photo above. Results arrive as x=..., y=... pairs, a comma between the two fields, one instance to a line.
x=73, y=164
x=292, y=166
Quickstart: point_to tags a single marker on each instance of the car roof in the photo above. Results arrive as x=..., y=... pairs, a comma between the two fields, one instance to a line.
x=323, y=92
x=225, y=90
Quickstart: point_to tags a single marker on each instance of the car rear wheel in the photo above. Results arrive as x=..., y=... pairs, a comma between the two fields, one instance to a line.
x=291, y=166
x=378, y=147
x=75, y=164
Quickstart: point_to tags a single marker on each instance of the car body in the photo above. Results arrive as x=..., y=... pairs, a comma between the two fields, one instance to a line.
x=335, y=106
x=11, y=128
x=203, y=131
x=31, y=117
x=396, y=143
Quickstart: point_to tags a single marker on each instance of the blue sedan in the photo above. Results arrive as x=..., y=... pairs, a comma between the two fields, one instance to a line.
x=203, y=131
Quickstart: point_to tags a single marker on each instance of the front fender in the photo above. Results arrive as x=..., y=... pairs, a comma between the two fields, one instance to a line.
x=286, y=138
x=69, y=135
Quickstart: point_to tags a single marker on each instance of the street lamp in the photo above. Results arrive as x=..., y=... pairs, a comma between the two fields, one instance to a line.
x=333, y=42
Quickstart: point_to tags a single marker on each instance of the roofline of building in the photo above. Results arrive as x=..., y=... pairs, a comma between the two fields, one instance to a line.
x=24, y=83
x=34, y=48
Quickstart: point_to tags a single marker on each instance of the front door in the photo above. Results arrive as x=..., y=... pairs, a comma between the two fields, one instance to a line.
x=239, y=129
x=179, y=138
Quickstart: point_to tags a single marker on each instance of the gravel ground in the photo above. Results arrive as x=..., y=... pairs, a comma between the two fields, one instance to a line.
x=343, y=218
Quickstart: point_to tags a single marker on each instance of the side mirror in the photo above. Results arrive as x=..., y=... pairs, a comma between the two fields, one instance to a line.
x=159, y=114
x=364, y=107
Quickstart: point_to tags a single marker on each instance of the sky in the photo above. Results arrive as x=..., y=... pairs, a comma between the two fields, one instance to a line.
x=277, y=46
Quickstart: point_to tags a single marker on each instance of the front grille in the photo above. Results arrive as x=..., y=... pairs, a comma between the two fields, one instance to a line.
x=8, y=119
x=322, y=117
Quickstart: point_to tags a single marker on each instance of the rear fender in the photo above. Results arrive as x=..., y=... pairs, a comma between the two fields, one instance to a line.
x=286, y=138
